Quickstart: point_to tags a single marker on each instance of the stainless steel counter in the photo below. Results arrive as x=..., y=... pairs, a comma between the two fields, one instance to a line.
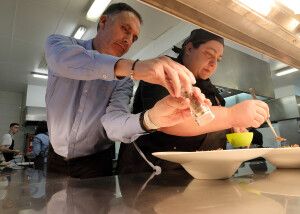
x=265, y=191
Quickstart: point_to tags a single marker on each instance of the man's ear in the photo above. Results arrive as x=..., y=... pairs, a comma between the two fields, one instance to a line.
x=188, y=48
x=102, y=22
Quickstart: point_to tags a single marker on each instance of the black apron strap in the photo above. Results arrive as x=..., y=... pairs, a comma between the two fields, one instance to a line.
x=9, y=156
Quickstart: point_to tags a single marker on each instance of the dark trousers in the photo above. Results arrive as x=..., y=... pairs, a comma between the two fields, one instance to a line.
x=95, y=165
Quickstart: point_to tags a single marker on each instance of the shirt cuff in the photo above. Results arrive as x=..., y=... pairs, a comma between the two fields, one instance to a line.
x=104, y=65
x=136, y=129
x=137, y=126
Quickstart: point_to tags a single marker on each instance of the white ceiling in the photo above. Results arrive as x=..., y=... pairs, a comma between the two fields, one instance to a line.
x=25, y=25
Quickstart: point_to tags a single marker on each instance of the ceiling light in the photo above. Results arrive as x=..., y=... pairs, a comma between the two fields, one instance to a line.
x=286, y=71
x=97, y=9
x=79, y=33
x=263, y=7
x=41, y=71
x=293, y=5
x=39, y=75
x=293, y=24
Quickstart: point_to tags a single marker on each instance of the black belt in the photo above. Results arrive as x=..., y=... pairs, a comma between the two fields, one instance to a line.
x=76, y=159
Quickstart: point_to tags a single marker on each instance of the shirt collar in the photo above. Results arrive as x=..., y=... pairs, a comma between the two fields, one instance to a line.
x=89, y=44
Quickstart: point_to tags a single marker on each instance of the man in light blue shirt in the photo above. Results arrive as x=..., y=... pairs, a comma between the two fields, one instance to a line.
x=87, y=95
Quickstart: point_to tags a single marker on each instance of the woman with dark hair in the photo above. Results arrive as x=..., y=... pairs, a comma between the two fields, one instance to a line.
x=40, y=144
x=200, y=53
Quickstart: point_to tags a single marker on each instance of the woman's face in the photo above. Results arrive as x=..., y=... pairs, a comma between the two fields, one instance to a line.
x=202, y=61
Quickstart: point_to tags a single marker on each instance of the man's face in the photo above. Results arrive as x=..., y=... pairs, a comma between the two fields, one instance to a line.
x=118, y=32
x=14, y=129
x=202, y=61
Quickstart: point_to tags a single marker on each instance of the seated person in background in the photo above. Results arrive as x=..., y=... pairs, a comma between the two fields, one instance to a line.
x=200, y=53
x=40, y=146
x=7, y=143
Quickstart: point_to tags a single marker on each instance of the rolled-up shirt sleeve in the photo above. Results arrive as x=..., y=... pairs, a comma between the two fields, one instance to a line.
x=118, y=122
x=66, y=58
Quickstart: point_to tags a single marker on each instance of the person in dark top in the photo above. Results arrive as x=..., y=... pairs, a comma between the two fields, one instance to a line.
x=200, y=53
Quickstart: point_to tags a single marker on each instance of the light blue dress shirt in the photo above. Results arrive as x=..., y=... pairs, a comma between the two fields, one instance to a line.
x=40, y=144
x=83, y=97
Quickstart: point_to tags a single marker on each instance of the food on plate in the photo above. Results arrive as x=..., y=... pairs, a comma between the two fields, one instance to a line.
x=280, y=139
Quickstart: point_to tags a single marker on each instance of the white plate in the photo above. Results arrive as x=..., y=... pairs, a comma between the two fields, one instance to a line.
x=217, y=164
x=284, y=157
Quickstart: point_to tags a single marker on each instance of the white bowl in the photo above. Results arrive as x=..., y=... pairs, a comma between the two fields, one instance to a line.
x=284, y=157
x=217, y=164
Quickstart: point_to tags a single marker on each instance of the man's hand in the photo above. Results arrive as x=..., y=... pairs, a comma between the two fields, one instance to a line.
x=170, y=111
x=200, y=96
x=166, y=72
x=162, y=71
x=249, y=113
x=5, y=149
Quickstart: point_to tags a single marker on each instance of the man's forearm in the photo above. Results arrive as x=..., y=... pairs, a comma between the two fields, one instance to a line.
x=67, y=59
x=123, y=68
x=5, y=150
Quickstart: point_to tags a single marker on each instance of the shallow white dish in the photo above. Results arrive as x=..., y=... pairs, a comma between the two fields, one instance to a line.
x=217, y=164
x=284, y=157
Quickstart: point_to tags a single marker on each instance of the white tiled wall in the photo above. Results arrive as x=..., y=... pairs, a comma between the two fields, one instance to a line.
x=285, y=91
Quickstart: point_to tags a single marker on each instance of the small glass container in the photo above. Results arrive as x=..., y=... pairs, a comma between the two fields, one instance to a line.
x=200, y=112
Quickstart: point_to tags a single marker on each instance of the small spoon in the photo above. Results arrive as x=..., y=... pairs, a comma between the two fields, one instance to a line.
x=277, y=137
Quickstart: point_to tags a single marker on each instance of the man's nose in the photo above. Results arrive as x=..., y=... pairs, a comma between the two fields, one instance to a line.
x=213, y=62
x=126, y=43
x=129, y=39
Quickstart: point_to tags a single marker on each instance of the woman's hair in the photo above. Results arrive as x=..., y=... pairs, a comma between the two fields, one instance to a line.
x=41, y=128
x=197, y=37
